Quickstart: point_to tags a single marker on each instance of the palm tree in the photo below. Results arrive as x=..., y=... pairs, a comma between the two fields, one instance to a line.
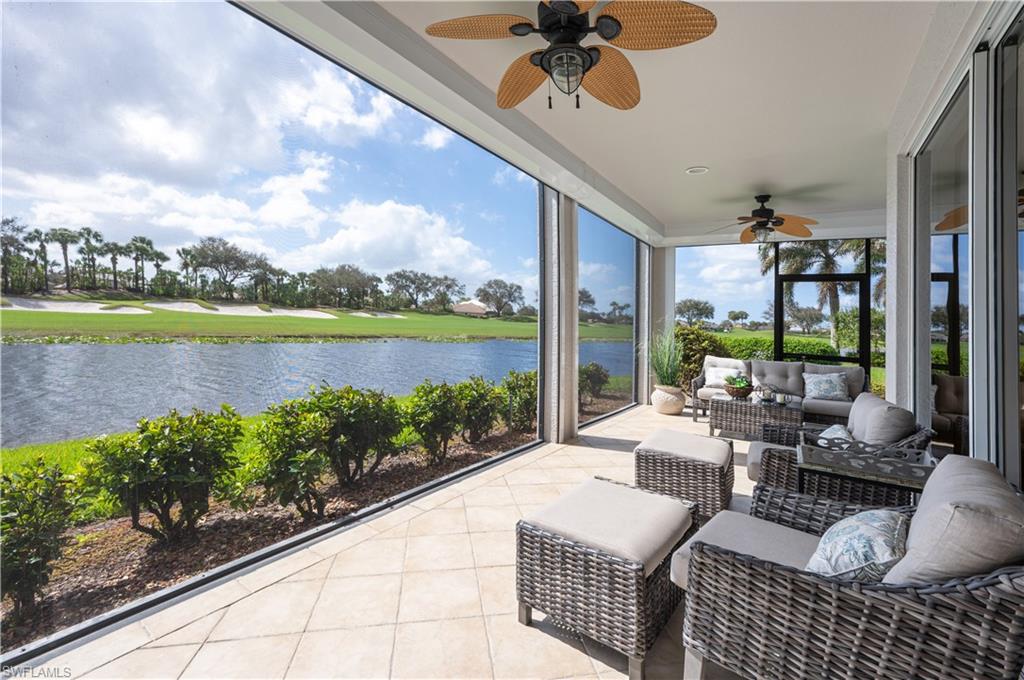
x=40, y=256
x=185, y=258
x=11, y=245
x=815, y=257
x=114, y=251
x=158, y=258
x=141, y=248
x=65, y=237
x=91, y=242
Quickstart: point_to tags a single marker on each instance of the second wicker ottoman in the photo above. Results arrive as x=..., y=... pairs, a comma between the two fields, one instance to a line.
x=693, y=467
x=597, y=561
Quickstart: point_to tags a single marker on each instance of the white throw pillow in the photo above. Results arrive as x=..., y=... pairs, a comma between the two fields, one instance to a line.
x=863, y=547
x=826, y=386
x=715, y=376
x=833, y=432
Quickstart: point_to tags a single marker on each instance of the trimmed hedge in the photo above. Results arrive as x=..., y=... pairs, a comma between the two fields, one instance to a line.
x=764, y=348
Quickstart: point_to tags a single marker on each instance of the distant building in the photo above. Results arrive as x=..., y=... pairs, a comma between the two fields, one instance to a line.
x=472, y=308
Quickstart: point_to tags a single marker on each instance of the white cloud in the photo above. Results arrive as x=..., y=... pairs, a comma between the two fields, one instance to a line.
x=508, y=173
x=435, y=137
x=154, y=133
x=289, y=205
x=596, y=271
x=327, y=103
x=489, y=216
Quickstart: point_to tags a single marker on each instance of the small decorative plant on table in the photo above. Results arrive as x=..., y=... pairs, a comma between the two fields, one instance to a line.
x=666, y=356
x=738, y=386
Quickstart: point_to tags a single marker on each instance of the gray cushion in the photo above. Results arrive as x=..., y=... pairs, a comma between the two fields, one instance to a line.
x=889, y=424
x=826, y=407
x=725, y=362
x=754, y=455
x=709, y=392
x=951, y=397
x=699, y=447
x=785, y=375
x=942, y=425
x=749, y=536
x=635, y=525
x=968, y=522
x=863, y=405
x=854, y=375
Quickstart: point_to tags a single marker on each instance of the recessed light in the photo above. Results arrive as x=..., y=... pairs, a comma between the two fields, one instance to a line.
x=697, y=170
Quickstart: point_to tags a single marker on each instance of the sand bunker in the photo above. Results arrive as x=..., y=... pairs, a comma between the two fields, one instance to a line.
x=376, y=315
x=239, y=310
x=32, y=305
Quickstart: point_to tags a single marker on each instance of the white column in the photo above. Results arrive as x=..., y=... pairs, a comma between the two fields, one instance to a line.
x=901, y=246
x=642, y=322
x=662, y=298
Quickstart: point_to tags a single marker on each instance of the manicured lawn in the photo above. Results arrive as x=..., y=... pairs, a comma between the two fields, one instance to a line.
x=173, y=324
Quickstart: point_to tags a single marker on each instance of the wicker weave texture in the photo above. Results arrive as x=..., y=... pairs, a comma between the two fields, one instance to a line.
x=657, y=24
x=693, y=480
x=748, y=417
x=778, y=469
x=854, y=490
x=520, y=80
x=770, y=622
x=613, y=80
x=804, y=512
x=480, y=27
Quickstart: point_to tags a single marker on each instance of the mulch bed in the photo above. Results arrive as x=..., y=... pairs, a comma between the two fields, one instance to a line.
x=606, y=403
x=107, y=564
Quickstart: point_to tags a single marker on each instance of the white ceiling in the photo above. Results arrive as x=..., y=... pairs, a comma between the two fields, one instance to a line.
x=792, y=99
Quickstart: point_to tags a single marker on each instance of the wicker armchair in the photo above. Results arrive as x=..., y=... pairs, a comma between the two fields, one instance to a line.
x=695, y=385
x=768, y=621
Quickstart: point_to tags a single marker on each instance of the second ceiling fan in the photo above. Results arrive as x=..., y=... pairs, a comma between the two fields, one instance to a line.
x=601, y=70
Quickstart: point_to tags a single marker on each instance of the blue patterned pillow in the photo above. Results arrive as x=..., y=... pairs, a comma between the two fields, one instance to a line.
x=829, y=386
x=863, y=547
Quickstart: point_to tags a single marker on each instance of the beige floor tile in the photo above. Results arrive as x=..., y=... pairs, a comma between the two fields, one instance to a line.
x=497, y=589
x=376, y=556
x=331, y=546
x=437, y=498
x=492, y=517
x=528, y=509
x=569, y=475
x=442, y=649
x=194, y=608
x=275, y=610
x=400, y=531
x=317, y=572
x=95, y=653
x=536, y=651
x=432, y=595
x=494, y=548
x=356, y=601
x=165, y=662
x=435, y=553
x=392, y=518
x=265, y=657
x=532, y=494
x=195, y=632
x=439, y=521
x=560, y=459
x=351, y=653
x=498, y=494
x=279, y=569
x=529, y=475
x=618, y=474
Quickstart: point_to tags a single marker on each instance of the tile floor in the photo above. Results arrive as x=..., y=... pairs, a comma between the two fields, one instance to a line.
x=424, y=591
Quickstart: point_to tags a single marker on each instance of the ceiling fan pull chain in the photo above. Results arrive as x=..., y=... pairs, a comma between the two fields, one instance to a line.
x=549, y=94
x=577, y=100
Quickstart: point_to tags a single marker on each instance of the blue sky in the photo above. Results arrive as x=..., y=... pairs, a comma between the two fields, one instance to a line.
x=184, y=120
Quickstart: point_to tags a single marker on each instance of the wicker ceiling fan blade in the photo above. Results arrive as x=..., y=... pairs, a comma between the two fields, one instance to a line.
x=748, y=235
x=613, y=80
x=657, y=24
x=793, y=229
x=954, y=219
x=748, y=218
x=480, y=27
x=796, y=219
x=520, y=80
x=581, y=5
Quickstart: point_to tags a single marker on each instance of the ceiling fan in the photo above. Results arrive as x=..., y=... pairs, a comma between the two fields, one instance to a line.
x=765, y=221
x=959, y=216
x=601, y=70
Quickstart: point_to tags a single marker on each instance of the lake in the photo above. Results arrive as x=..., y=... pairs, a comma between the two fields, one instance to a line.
x=56, y=392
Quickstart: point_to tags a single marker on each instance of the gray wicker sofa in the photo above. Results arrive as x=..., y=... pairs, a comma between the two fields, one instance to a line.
x=754, y=610
x=784, y=375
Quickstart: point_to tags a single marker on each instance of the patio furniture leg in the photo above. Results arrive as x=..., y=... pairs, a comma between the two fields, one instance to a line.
x=525, y=614
x=636, y=668
x=693, y=666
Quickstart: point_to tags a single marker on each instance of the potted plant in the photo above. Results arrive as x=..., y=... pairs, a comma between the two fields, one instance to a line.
x=738, y=386
x=666, y=356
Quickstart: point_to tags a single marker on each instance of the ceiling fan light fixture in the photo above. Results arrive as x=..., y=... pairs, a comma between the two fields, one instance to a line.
x=566, y=65
x=762, y=234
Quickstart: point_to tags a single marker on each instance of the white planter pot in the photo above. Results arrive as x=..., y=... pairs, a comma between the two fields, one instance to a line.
x=668, y=400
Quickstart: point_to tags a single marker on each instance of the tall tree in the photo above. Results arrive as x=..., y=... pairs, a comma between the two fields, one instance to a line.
x=586, y=302
x=10, y=245
x=807, y=318
x=225, y=259
x=414, y=286
x=691, y=310
x=445, y=290
x=141, y=249
x=500, y=294
x=92, y=241
x=41, y=258
x=115, y=251
x=66, y=238
x=738, y=316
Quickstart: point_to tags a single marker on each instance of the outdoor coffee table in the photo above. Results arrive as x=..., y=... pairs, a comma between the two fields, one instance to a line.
x=863, y=474
x=748, y=416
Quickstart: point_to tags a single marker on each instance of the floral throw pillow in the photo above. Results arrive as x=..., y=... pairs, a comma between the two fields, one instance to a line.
x=828, y=386
x=863, y=547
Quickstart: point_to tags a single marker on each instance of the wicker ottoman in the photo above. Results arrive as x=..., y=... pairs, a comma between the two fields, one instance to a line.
x=597, y=561
x=691, y=466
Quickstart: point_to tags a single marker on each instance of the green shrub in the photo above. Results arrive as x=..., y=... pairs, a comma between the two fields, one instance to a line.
x=753, y=347
x=592, y=379
x=696, y=343
x=174, y=460
x=292, y=456
x=35, y=509
x=364, y=425
x=480, y=403
x=520, y=392
x=433, y=412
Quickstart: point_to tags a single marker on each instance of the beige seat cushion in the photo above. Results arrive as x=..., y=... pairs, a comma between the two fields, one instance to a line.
x=827, y=407
x=691, y=446
x=635, y=525
x=854, y=375
x=968, y=522
x=708, y=393
x=749, y=536
x=787, y=376
x=754, y=454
